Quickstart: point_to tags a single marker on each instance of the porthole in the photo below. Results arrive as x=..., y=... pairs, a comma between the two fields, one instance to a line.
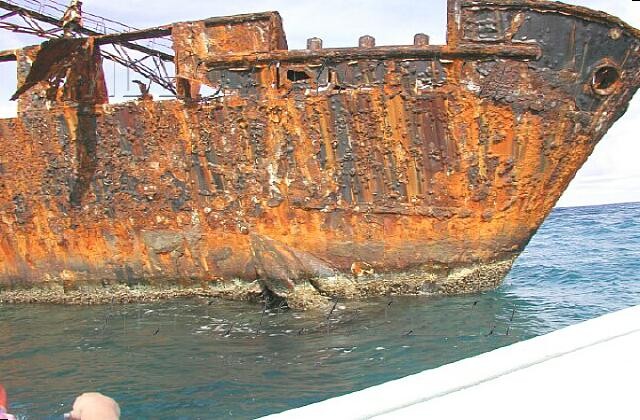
x=605, y=79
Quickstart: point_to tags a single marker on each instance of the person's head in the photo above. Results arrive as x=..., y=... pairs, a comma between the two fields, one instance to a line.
x=94, y=406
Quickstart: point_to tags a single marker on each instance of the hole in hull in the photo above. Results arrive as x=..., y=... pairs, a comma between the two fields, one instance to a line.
x=605, y=80
x=297, y=76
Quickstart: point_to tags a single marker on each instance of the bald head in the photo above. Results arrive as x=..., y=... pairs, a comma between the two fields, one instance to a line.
x=94, y=406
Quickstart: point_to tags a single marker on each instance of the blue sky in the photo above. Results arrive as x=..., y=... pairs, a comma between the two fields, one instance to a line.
x=611, y=174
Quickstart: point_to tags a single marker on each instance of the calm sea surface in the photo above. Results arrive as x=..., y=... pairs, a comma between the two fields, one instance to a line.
x=190, y=359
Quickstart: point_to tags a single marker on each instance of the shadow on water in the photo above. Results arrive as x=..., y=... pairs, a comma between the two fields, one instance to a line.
x=197, y=358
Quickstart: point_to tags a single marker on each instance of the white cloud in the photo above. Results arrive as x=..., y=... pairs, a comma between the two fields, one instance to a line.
x=611, y=173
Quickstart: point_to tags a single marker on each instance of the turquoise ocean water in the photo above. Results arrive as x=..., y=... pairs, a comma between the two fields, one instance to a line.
x=196, y=359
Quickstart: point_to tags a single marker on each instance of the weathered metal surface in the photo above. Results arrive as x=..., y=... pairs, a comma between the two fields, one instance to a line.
x=318, y=173
x=220, y=37
x=67, y=69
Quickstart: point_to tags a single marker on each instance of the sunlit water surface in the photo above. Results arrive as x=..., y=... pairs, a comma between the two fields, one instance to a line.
x=191, y=359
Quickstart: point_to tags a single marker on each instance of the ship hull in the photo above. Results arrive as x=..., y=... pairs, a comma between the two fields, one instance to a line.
x=373, y=176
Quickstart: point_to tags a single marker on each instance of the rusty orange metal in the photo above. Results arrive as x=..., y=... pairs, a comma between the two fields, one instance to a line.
x=311, y=174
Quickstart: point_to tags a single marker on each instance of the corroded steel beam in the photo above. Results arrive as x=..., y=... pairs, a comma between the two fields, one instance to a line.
x=124, y=37
x=518, y=51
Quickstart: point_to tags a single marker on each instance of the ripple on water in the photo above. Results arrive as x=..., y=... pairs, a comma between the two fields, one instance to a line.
x=196, y=360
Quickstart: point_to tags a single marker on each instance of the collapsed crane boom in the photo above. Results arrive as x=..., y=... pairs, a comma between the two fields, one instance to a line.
x=32, y=20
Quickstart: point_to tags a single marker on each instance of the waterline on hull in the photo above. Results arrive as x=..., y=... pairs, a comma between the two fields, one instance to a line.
x=316, y=293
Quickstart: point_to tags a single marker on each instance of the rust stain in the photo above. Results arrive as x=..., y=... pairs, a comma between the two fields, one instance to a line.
x=314, y=173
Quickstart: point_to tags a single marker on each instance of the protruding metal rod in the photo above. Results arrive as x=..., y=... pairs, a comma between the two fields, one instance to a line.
x=421, y=40
x=366, y=41
x=314, y=44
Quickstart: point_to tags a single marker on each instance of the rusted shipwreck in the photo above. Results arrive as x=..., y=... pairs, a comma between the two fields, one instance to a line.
x=309, y=174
